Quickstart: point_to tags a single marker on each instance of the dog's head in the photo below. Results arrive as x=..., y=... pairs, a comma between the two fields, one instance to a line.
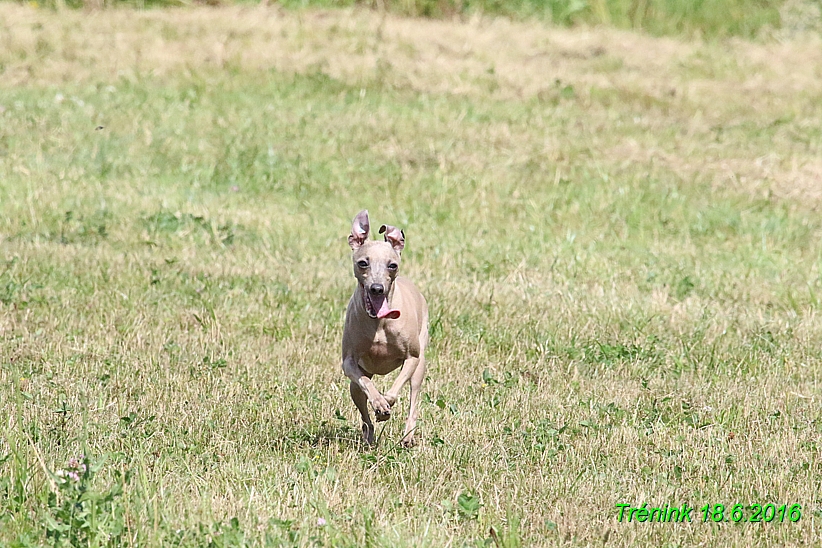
x=376, y=265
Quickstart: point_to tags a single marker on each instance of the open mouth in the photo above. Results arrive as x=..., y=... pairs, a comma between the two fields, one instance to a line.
x=376, y=306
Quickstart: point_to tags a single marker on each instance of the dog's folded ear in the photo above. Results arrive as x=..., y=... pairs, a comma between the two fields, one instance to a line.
x=394, y=236
x=359, y=230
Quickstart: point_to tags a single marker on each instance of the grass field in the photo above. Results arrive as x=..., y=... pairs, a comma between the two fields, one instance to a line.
x=703, y=18
x=618, y=236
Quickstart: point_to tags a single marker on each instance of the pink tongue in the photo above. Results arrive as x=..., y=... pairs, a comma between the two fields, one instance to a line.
x=384, y=311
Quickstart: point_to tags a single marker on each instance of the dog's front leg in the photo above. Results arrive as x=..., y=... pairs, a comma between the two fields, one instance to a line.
x=352, y=370
x=408, y=368
x=413, y=406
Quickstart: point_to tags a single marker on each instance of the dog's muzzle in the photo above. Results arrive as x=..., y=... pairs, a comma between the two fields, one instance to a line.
x=375, y=302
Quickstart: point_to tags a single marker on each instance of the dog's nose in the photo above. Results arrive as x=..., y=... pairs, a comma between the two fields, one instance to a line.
x=377, y=289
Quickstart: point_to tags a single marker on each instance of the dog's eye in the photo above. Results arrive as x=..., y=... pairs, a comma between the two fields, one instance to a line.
x=362, y=264
x=393, y=266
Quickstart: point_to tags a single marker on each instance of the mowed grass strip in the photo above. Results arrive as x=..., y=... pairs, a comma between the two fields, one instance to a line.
x=621, y=260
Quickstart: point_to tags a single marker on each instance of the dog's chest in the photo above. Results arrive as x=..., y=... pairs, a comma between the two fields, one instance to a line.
x=385, y=345
x=386, y=350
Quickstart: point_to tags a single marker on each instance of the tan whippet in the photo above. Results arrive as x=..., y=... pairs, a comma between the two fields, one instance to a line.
x=386, y=326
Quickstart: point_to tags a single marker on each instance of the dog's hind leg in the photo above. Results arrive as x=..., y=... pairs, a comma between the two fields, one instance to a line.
x=361, y=401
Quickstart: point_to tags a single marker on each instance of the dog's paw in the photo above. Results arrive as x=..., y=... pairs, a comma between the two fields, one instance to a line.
x=408, y=441
x=383, y=415
x=382, y=410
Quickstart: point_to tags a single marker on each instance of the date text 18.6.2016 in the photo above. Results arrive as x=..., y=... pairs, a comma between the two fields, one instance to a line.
x=716, y=513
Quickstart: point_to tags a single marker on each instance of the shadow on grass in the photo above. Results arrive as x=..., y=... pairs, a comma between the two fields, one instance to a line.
x=321, y=434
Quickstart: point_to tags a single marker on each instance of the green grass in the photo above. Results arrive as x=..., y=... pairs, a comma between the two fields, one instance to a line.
x=708, y=18
x=607, y=327
x=702, y=18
